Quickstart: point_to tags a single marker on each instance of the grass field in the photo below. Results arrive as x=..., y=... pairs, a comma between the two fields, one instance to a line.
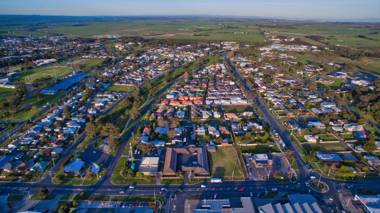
x=225, y=163
x=370, y=64
x=88, y=64
x=36, y=101
x=121, y=88
x=4, y=93
x=44, y=72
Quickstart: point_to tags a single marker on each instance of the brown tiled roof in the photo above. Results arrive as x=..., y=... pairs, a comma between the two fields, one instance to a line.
x=200, y=168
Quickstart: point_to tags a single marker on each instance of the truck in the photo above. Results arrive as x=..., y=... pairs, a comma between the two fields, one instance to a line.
x=216, y=180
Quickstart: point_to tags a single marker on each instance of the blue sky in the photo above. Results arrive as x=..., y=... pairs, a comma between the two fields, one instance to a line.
x=303, y=9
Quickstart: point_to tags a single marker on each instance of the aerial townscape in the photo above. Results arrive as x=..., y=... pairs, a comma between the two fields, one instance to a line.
x=193, y=114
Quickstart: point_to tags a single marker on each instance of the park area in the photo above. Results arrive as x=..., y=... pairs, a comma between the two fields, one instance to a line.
x=226, y=164
x=39, y=73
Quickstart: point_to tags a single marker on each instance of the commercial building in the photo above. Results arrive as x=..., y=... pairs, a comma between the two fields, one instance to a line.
x=149, y=165
x=219, y=205
x=300, y=203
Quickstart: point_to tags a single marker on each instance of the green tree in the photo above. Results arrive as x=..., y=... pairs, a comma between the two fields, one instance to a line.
x=20, y=89
x=18, y=94
x=44, y=192
x=113, y=133
x=90, y=130
x=370, y=146
x=134, y=112
x=66, y=112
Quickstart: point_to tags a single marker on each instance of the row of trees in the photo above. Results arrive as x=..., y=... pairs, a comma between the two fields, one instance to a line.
x=107, y=127
x=109, y=130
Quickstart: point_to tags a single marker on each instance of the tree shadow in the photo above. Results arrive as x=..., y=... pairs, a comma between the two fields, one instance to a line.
x=219, y=172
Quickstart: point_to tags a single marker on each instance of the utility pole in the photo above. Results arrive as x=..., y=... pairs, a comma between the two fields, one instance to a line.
x=131, y=158
x=154, y=194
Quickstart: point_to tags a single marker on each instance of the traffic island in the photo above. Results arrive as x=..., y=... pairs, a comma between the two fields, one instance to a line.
x=319, y=186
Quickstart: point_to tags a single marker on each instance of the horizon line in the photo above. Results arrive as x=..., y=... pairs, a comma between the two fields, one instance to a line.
x=343, y=20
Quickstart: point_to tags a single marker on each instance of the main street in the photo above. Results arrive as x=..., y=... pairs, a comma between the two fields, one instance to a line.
x=269, y=118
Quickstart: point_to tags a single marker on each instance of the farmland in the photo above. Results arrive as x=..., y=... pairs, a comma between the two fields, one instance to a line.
x=355, y=36
x=182, y=29
x=365, y=36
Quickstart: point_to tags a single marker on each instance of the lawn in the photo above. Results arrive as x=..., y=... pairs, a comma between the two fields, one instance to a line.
x=259, y=149
x=44, y=72
x=344, y=172
x=118, y=176
x=85, y=196
x=225, y=163
x=61, y=178
x=326, y=147
x=327, y=137
x=347, y=136
x=171, y=181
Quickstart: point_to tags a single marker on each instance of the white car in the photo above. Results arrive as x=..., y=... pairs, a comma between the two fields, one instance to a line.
x=203, y=186
x=131, y=187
